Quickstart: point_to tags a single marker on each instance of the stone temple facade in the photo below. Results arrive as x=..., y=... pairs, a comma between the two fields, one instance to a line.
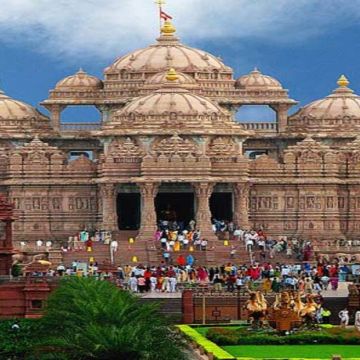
x=168, y=142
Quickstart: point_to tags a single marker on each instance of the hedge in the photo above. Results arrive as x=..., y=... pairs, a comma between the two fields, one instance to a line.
x=326, y=336
x=207, y=345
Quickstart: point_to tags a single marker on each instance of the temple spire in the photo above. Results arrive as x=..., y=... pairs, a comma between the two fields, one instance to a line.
x=343, y=81
x=172, y=75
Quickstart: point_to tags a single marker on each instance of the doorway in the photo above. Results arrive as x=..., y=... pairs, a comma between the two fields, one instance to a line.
x=128, y=211
x=175, y=207
x=221, y=206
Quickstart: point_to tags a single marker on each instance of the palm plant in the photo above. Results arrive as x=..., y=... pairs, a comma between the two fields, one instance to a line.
x=90, y=319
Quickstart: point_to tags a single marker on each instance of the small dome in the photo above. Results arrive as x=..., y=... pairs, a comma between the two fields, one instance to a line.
x=11, y=109
x=335, y=112
x=256, y=80
x=81, y=80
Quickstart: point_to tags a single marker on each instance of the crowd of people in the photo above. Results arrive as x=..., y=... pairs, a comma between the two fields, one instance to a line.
x=173, y=236
x=269, y=278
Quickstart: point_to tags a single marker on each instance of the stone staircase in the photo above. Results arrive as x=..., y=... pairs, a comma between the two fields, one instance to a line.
x=55, y=256
x=169, y=307
x=150, y=252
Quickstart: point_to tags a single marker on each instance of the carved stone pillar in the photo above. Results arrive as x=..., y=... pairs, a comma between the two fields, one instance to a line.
x=281, y=115
x=203, y=191
x=56, y=116
x=241, y=205
x=105, y=113
x=148, y=225
x=108, y=195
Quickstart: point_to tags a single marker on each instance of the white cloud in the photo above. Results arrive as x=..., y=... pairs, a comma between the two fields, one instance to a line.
x=73, y=29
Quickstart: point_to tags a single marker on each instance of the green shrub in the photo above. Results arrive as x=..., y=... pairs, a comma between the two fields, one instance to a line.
x=17, y=342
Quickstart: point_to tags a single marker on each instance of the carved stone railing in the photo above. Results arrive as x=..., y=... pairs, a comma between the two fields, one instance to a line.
x=267, y=127
x=80, y=126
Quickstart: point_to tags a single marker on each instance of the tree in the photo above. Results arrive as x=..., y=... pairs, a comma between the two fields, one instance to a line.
x=90, y=319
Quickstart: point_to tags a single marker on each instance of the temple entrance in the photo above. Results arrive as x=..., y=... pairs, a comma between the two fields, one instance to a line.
x=175, y=202
x=175, y=207
x=221, y=205
x=128, y=211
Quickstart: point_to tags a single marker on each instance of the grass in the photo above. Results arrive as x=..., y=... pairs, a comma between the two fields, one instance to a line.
x=293, y=351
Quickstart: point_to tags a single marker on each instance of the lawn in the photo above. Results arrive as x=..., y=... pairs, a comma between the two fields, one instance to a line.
x=294, y=351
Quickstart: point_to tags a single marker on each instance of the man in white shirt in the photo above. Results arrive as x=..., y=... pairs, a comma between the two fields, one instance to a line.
x=39, y=244
x=113, y=249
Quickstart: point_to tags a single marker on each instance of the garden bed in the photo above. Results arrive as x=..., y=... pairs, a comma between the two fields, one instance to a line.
x=239, y=342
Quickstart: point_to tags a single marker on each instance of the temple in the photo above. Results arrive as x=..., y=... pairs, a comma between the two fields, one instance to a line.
x=168, y=144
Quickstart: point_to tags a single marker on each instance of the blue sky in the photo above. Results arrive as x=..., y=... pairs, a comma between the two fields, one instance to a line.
x=304, y=44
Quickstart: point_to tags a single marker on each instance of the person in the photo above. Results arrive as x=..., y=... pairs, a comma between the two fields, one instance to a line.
x=166, y=256
x=113, y=249
x=357, y=320
x=308, y=286
x=325, y=314
x=89, y=245
x=61, y=269
x=218, y=282
x=133, y=283
x=190, y=260
x=181, y=261
x=74, y=265
x=141, y=283
x=344, y=317
x=325, y=282
x=172, y=283
x=39, y=244
x=203, y=244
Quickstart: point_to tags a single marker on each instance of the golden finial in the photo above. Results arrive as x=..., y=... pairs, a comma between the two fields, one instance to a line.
x=168, y=28
x=172, y=75
x=343, y=81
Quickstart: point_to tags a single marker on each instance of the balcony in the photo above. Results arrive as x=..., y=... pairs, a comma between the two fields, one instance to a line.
x=260, y=127
x=74, y=127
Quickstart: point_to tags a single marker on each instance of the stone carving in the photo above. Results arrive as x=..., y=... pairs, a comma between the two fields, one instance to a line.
x=222, y=148
x=124, y=150
x=175, y=147
x=311, y=158
x=81, y=164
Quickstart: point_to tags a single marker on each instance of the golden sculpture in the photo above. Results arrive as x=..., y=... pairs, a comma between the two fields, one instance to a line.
x=286, y=313
x=256, y=307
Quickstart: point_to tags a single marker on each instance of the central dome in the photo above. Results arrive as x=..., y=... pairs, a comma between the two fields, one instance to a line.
x=168, y=52
x=128, y=74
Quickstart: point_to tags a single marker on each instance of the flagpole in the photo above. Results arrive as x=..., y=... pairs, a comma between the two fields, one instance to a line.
x=160, y=3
